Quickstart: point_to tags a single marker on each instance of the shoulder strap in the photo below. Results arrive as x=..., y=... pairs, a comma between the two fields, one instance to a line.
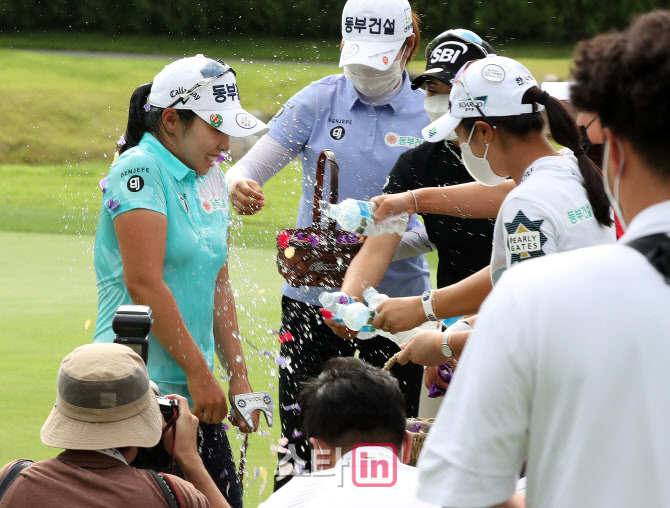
x=656, y=248
x=167, y=489
x=12, y=474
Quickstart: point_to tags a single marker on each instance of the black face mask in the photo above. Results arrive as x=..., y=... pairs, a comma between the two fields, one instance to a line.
x=594, y=152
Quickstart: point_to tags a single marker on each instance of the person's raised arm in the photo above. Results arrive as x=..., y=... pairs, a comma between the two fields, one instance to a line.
x=369, y=265
x=471, y=200
x=290, y=130
x=227, y=342
x=245, y=179
x=366, y=269
x=460, y=299
x=142, y=236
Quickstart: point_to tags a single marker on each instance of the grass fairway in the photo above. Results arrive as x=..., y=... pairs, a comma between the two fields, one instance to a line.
x=77, y=108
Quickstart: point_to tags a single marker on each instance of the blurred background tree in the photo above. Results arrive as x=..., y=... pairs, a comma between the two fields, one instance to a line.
x=552, y=20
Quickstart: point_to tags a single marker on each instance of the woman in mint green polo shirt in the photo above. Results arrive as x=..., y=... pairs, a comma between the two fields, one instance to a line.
x=162, y=241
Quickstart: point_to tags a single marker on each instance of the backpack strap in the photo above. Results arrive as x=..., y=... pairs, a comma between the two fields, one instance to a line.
x=12, y=474
x=656, y=248
x=167, y=489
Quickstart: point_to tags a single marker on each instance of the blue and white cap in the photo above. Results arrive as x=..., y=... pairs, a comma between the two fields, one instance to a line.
x=493, y=86
x=208, y=88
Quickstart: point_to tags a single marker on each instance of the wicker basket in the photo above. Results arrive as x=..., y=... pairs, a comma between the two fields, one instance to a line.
x=323, y=261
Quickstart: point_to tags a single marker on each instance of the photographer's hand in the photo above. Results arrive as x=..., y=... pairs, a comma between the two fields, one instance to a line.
x=184, y=440
x=209, y=399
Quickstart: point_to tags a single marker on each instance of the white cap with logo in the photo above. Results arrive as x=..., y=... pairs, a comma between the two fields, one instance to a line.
x=493, y=86
x=374, y=31
x=209, y=89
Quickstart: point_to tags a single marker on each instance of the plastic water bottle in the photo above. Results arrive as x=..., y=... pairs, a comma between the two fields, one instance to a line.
x=373, y=298
x=329, y=302
x=356, y=316
x=359, y=217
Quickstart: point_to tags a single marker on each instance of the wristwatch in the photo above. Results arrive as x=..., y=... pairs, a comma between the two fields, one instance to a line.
x=427, y=302
x=446, y=350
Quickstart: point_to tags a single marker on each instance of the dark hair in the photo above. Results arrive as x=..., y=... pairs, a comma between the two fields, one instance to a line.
x=565, y=132
x=141, y=121
x=352, y=402
x=624, y=77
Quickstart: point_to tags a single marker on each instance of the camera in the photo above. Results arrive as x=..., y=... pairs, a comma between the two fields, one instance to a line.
x=132, y=324
x=169, y=408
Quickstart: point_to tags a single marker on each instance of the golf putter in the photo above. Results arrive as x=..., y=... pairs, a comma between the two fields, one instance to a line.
x=245, y=404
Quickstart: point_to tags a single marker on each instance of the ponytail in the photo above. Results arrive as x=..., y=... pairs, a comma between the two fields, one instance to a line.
x=565, y=132
x=142, y=117
x=137, y=117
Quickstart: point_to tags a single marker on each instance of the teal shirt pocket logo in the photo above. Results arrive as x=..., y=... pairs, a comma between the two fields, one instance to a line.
x=214, y=204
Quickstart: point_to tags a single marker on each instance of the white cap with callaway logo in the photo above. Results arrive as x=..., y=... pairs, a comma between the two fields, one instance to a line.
x=493, y=86
x=374, y=31
x=209, y=89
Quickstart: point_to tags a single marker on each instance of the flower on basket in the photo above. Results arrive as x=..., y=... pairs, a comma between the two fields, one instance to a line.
x=282, y=239
x=302, y=237
x=347, y=238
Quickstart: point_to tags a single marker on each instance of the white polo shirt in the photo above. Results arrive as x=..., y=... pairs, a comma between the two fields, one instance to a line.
x=337, y=487
x=567, y=369
x=547, y=212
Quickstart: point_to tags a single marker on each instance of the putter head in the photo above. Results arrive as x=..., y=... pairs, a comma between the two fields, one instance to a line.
x=245, y=404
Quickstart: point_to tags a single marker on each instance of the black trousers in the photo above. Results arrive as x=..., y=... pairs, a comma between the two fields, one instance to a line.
x=314, y=343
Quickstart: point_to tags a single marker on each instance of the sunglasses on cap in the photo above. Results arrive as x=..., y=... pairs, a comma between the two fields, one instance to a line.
x=214, y=69
x=467, y=35
x=460, y=79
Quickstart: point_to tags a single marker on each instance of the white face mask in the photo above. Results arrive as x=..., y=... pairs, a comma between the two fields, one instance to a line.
x=436, y=106
x=372, y=82
x=613, y=195
x=479, y=168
